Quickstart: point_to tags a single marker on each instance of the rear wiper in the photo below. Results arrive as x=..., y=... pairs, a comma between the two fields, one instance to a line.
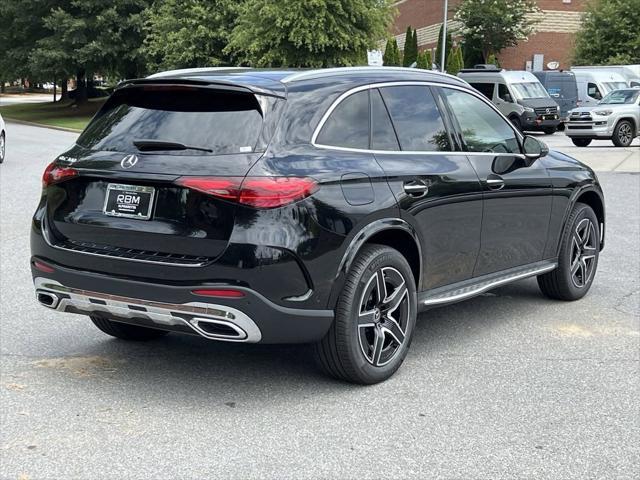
x=150, y=145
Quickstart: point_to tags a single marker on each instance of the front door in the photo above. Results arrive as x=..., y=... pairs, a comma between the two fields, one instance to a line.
x=517, y=196
x=436, y=188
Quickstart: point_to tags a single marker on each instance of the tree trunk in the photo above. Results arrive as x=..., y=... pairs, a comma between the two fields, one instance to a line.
x=64, y=89
x=54, y=91
x=81, y=95
x=2, y=88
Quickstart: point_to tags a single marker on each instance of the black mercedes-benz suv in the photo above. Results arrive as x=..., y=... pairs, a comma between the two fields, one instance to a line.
x=323, y=206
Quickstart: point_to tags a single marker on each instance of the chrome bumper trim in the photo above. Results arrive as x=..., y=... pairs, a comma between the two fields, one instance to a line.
x=192, y=314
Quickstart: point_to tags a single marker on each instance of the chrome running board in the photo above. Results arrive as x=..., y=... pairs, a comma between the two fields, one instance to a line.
x=476, y=286
x=201, y=318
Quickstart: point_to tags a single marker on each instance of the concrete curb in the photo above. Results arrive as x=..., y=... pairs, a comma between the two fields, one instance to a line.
x=41, y=125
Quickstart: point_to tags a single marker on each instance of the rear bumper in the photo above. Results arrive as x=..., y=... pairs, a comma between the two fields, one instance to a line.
x=252, y=318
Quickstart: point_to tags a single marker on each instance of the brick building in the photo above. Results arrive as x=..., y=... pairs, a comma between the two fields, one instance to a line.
x=552, y=41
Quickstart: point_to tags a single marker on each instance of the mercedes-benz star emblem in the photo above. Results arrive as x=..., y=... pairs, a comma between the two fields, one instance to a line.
x=548, y=110
x=129, y=161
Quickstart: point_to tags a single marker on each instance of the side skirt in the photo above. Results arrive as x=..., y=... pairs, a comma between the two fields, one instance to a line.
x=470, y=288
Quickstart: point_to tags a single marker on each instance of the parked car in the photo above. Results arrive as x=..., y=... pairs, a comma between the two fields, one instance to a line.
x=630, y=73
x=562, y=87
x=616, y=117
x=594, y=85
x=322, y=206
x=3, y=140
x=518, y=95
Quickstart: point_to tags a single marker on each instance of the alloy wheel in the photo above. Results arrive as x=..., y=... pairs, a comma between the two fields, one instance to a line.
x=625, y=134
x=583, y=253
x=383, y=316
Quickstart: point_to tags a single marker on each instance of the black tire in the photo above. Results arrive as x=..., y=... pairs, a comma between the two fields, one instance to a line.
x=623, y=134
x=516, y=123
x=341, y=353
x=581, y=142
x=125, y=331
x=549, y=130
x=561, y=283
x=3, y=146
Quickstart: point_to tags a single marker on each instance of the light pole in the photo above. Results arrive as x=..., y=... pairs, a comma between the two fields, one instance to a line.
x=443, y=53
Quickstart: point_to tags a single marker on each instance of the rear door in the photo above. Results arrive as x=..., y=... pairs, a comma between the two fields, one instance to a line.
x=517, y=197
x=435, y=186
x=128, y=198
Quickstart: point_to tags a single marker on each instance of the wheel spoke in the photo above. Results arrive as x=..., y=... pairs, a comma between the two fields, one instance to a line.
x=394, y=330
x=396, y=298
x=575, y=266
x=381, y=288
x=366, y=319
x=378, y=343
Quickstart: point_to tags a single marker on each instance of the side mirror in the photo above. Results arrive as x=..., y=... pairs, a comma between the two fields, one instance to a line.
x=534, y=149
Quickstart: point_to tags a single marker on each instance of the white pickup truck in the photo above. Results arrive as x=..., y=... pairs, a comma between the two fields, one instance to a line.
x=616, y=117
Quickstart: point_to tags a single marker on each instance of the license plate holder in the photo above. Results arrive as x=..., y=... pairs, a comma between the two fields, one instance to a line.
x=130, y=201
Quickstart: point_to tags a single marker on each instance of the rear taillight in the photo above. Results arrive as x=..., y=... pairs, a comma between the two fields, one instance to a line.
x=257, y=192
x=55, y=174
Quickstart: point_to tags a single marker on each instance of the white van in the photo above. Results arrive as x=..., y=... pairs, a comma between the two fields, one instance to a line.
x=593, y=85
x=631, y=73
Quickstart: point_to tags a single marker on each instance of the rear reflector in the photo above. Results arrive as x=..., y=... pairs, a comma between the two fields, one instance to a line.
x=43, y=267
x=55, y=174
x=257, y=192
x=221, y=293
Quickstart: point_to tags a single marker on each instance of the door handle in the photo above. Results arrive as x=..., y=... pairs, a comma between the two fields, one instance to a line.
x=495, y=182
x=416, y=188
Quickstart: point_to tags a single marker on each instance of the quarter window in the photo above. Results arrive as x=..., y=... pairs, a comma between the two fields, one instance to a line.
x=383, y=136
x=348, y=124
x=482, y=128
x=416, y=118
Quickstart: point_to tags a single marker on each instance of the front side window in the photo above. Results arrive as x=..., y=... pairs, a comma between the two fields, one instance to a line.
x=416, y=118
x=482, y=128
x=503, y=93
x=593, y=91
x=348, y=124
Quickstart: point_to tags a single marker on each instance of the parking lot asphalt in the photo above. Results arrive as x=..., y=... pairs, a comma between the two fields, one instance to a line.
x=507, y=385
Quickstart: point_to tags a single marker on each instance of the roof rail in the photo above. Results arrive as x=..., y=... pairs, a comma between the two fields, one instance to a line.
x=330, y=72
x=195, y=71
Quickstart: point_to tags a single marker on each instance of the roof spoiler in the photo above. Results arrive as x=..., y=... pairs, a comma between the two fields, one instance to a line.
x=214, y=83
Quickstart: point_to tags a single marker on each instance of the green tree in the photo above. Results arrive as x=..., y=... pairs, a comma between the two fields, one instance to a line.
x=424, y=60
x=449, y=42
x=410, y=47
x=496, y=24
x=610, y=33
x=493, y=60
x=318, y=33
x=454, y=61
x=189, y=33
x=391, y=55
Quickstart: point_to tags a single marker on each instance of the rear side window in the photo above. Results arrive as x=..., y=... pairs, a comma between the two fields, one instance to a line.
x=416, y=118
x=348, y=124
x=383, y=137
x=484, y=88
x=482, y=128
x=217, y=120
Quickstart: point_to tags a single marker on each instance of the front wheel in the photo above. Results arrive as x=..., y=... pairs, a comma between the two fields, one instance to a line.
x=623, y=134
x=375, y=318
x=516, y=123
x=581, y=142
x=549, y=130
x=578, y=259
x=125, y=331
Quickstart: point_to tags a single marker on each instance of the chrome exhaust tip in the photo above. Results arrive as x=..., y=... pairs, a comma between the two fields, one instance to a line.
x=48, y=299
x=217, y=329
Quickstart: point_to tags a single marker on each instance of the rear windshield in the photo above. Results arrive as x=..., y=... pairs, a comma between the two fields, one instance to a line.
x=218, y=120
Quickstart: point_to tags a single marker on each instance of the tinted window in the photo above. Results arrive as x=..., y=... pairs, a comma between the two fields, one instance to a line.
x=482, y=128
x=224, y=122
x=383, y=135
x=348, y=124
x=416, y=118
x=484, y=88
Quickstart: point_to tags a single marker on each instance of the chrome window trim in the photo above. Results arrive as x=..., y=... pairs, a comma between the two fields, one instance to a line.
x=400, y=83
